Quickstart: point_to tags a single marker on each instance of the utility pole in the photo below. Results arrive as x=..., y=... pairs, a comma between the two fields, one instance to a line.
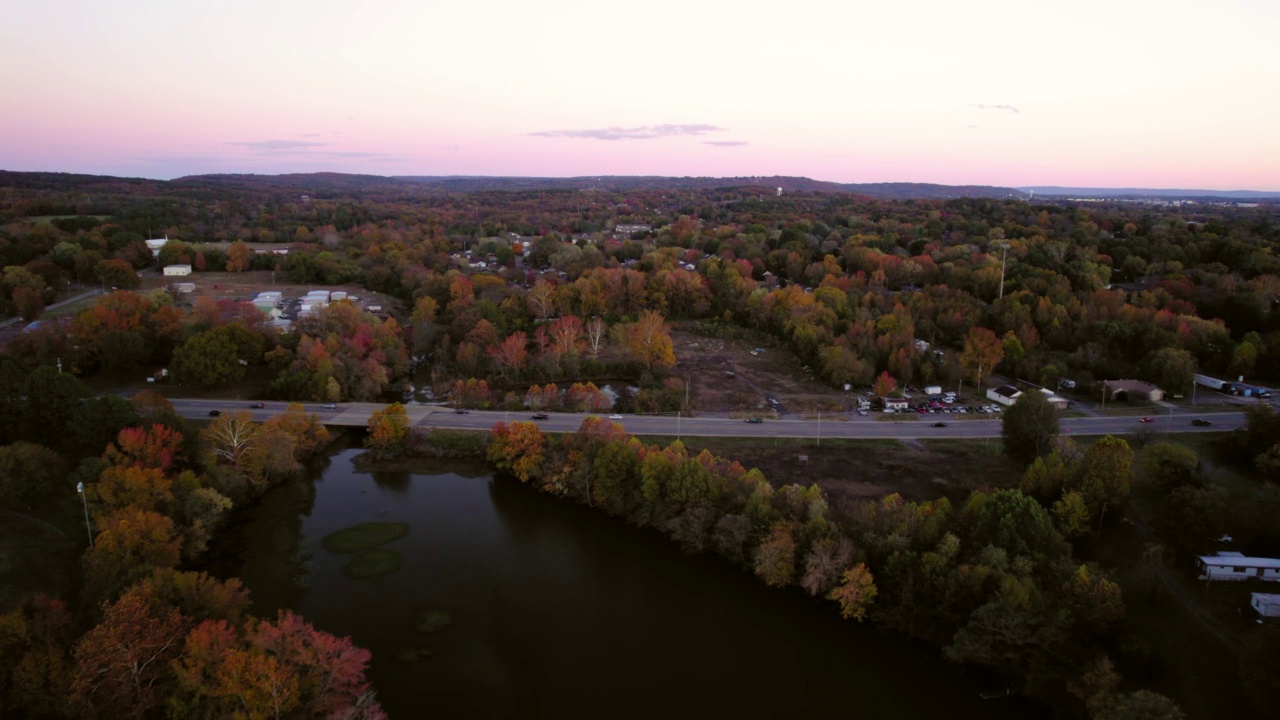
x=819, y=427
x=85, y=502
x=677, y=424
x=1004, y=252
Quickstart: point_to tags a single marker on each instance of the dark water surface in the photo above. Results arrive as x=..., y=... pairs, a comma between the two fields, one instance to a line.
x=563, y=612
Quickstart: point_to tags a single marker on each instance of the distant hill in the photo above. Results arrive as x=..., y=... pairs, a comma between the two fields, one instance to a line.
x=888, y=191
x=1058, y=191
x=344, y=182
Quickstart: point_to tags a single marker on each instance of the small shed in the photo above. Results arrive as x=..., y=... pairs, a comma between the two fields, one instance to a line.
x=177, y=270
x=1267, y=605
x=1238, y=566
x=185, y=287
x=892, y=403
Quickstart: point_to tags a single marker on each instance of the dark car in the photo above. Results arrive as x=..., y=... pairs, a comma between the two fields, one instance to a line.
x=539, y=416
x=257, y=405
x=1201, y=422
x=939, y=424
x=215, y=413
x=1147, y=419
x=755, y=420
x=461, y=411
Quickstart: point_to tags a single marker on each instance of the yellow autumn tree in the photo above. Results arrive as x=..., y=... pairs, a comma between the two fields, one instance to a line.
x=388, y=431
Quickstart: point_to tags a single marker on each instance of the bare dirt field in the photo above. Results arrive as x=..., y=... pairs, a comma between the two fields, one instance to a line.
x=743, y=371
x=855, y=470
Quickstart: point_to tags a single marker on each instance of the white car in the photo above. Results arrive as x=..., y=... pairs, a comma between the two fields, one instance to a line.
x=615, y=416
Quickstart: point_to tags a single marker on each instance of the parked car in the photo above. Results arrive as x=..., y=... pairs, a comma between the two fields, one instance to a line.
x=257, y=405
x=939, y=424
x=1201, y=422
x=215, y=413
x=755, y=420
x=331, y=406
x=538, y=416
x=1146, y=419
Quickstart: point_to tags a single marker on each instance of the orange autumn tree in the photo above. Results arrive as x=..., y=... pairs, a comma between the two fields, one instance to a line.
x=855, y=592
x=388, y=431
x=517, y=448
x=649, y=341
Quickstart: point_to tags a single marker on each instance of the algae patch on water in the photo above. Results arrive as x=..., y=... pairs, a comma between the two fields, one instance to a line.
x=431, y=621
x=362, y=537
x=374, y=564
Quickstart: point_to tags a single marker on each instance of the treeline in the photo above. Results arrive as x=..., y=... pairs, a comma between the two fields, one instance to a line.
x=992, y=581
x=338, y=353
x=849, y=283
x=146, y=635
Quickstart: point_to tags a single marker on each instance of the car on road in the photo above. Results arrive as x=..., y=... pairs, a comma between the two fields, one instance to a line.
x=538, y=416
x=257, y=405
x=939, y=424
x=215, y=413
x=331, y=406
x=1201, y=422
x=755, y=420
x=1147, y=419
x=461, y=411
x=615, y=417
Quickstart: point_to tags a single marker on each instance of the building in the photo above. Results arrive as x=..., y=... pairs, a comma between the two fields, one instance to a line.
x=177, y=270
x=628, y=230
x=1238, y=566
x=1126, y=390
x=184, y=287
x=1266, y=604
x=1057, y=401
x=897, y=404
x=1006, y=395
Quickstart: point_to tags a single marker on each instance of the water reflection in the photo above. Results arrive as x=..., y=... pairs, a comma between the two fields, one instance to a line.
x=562, y=612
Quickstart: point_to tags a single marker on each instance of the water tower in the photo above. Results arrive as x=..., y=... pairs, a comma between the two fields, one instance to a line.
x=779, y=192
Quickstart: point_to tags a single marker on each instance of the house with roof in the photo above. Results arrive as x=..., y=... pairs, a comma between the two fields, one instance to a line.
x=1006, y=395
x=1125, y=390
x=1238, y=566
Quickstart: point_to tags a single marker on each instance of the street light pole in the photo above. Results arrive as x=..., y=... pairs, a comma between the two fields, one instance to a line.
x=819, y=427
x=88, y=529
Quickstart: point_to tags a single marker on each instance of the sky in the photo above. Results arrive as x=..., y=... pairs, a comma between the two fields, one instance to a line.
x=1101, y=93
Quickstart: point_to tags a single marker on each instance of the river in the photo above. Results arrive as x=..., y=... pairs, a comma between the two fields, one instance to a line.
x=560, y=611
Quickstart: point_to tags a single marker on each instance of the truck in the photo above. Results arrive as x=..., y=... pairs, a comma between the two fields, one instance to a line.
x=933, y=390
x=1212, y=383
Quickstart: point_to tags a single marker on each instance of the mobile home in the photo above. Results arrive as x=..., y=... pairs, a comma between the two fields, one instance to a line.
x=1238, y=566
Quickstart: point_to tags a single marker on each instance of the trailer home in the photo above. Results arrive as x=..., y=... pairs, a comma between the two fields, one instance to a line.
x=1238, y=566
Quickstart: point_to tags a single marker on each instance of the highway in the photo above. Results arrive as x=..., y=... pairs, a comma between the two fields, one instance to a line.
x=877, y=425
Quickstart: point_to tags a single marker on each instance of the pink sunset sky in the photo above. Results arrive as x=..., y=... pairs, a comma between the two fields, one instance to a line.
x=1114, y=93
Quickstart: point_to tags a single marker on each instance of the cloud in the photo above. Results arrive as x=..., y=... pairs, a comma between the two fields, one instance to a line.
x=644, y=132
x=725, y=143
x=271, y=147
x=1010, y=108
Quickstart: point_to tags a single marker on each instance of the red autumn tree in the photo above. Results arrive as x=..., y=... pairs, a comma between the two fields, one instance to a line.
x=122, y=665
x=156, y=447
